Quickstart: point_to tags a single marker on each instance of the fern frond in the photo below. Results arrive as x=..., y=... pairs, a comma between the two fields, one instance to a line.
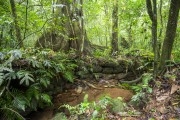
x=46, y=98
x=11, y=114
x=68, y=76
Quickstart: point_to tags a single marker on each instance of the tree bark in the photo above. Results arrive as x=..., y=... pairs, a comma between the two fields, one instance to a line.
x=72, y=34
x=17, y=28
x=114, y=42
x=170, y=32
x=152, y=11
x=74, y=24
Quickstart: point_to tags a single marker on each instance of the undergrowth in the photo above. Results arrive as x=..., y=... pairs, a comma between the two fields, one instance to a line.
x=25, y=76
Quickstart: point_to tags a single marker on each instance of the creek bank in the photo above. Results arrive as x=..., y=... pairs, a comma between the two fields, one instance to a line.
x=103, y=73
x=75, y=95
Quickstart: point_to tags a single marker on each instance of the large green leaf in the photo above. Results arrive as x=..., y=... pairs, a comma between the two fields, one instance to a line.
x=34, y=62
x=10, y=75
x=33, y=91
x=25, y=77
x=46, y=98
x=47, y=63
x=3, y=68
x=68, y=76
x=16, y=54
x=1, y=78
x=20, y=102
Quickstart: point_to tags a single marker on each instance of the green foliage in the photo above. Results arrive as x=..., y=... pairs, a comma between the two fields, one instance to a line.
x=99, y=53
x=142, y=90
x=25, y=75
x=97, y=110
x=60, y=116
x=118, y=105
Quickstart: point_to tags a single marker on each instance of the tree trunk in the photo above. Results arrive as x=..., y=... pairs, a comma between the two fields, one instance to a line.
x=74, y=26
x=114, y=42
x=1, y=35
x=17, y=28
x=72, y=34
x=170, y=32
x=152, y=11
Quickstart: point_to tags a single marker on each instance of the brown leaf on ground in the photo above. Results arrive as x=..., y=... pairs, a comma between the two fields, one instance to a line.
x=162, y=109
x=174, y=88
x=163, y=97
x=79, y=90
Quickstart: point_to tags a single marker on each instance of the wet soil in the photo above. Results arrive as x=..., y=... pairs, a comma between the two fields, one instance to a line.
x=74, y=96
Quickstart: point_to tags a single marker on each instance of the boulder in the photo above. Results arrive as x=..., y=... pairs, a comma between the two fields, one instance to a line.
x=121, y=76
x=119, y=69
x=97, y=69
x=108, y=70
x=109, y=76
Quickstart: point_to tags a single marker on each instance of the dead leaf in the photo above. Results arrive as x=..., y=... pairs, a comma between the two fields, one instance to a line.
x=163, y=97
x=79, y=90
x=174, y=88
x=162, y=109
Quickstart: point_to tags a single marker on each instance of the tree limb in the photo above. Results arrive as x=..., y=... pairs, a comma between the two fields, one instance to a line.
x=149, y=9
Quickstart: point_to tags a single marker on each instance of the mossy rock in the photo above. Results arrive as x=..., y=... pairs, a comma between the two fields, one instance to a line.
x=109, y=64
x=84, y=75
x=108, y=70
x=97, y=69
x=119, y=69
x=109, y=76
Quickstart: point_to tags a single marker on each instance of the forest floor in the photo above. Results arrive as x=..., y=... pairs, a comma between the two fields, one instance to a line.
x=75, y=95
x=158, y=99
x=163, y=102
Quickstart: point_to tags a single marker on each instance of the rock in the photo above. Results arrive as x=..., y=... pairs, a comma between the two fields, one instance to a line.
x=109, y=64
x=119, y=69
x=97, y=69
x=98, y=75
x=122, y=61
x=79, y=90
x=107, y=70
x=109, y=76
x=84, y=75
x=87, y=76
x=120, y=76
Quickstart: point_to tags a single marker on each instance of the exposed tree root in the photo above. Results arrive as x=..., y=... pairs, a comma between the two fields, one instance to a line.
x=132, y=81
